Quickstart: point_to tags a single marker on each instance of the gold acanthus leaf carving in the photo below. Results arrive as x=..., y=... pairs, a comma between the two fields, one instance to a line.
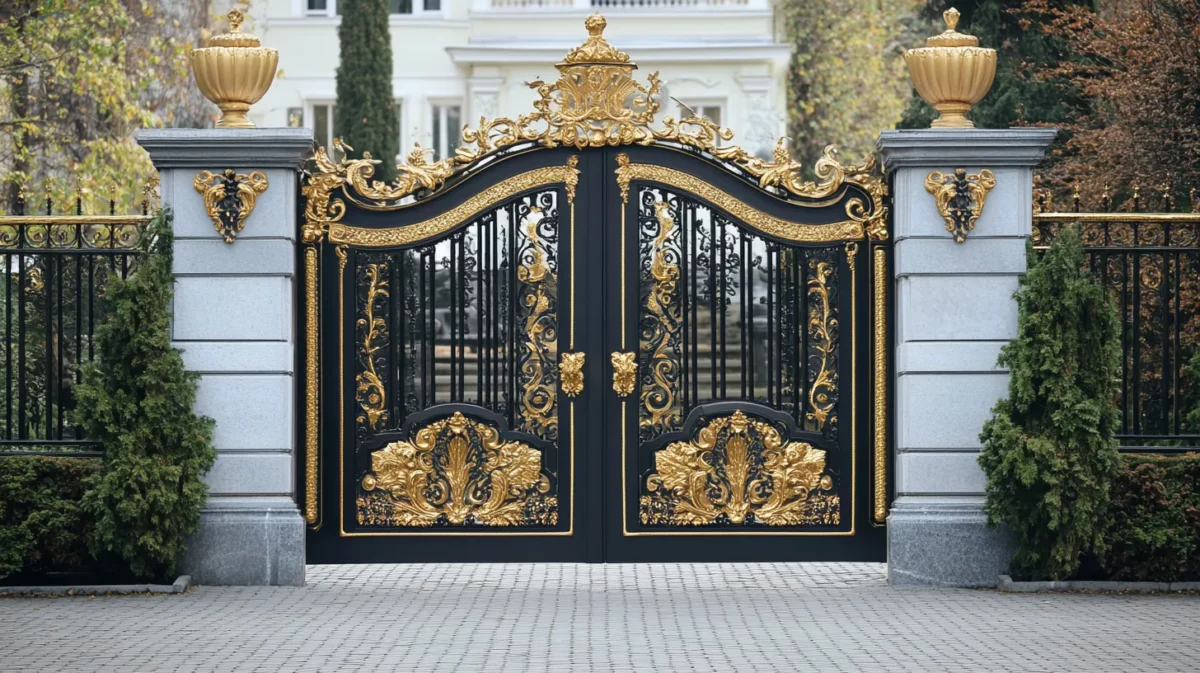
x=229, y=198
x=594, y=102
x=571, y=372
x=960, y=197
x=538, y=284
x=741, y=471
x=624, y=372
x=822, y=392
x=457, y=471
x=660, y=330
x=371, y=393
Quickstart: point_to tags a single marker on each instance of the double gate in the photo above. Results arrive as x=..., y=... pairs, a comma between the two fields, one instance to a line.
x=592, y=336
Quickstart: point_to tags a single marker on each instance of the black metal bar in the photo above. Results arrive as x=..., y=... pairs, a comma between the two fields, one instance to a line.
x=744, y=345
x=712, y=298
x=479, y=312
x=1177, y=371
x=721, y=300
x=1125, y=320
x=514, y=224
x=463, y=284
x=398, y=340
x=1137, y=334
x=684, y=296
x=770, y=257
x=8, y=389
x=22, y=389
x=1166, y=385
x=694, y=295
x=429, y=302
x=78, y=314
x=58, y=342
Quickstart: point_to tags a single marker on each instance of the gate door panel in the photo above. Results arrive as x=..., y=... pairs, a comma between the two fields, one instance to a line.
x=455, y=374
x=736, y=369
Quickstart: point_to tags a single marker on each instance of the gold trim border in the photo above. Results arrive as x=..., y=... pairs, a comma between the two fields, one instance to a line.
x=880, y=401
x=420, y=231
x=568, y=176
x=845, y=230
x=311, y=387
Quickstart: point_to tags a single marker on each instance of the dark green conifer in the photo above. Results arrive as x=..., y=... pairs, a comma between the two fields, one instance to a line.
x=136, y=398
x=365, y=117
x=1049, y=452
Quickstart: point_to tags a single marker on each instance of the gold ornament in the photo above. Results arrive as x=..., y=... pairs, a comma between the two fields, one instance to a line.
x=234, y=72
x=960, y=198
x=624, y=372
x=595, y=102
x=952, y=73
x=571, y=371
x=229, y=198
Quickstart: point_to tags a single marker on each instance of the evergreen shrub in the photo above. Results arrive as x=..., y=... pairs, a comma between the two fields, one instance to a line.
x=1156, y=520
x=1049, y=452
x=137, y=399
x=42, y=526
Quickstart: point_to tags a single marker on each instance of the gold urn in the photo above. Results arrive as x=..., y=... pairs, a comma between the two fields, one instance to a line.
x=952, y=72
x=234, y=71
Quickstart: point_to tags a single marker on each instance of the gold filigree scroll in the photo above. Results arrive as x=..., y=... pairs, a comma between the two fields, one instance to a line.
x=739, y=471
x=571, y=371
x=370, y=393
x=659, y=331
x=456, y=472
x=960, y=198
x=311, y=387
x=229, y=198
x=541, y=331
x=624, y=372
x=822, y=391
x=594, y=102
x=881, y=353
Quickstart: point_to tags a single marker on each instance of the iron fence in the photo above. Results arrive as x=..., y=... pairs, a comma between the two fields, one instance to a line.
x=1150, y=262
x=56, y=269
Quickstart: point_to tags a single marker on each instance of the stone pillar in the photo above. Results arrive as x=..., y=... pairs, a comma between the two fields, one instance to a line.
x=954, y=310
x=235, y=320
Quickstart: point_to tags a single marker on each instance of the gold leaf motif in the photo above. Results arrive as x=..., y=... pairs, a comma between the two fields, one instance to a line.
x=229, y=198
x=571, y=371
x=371, y=393
x=822, y=393
x=739, y=471
x=624, y=372
x=541, y=331
x=456, y=472
x=960, y=198
x=660, y=330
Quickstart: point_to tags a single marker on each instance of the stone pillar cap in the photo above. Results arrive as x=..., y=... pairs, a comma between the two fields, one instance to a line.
x=205, y=148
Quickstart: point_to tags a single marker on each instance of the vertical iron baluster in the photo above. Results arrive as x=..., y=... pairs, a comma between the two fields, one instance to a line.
x=1166, y=384
x=694, y=293
x=78, y=314
x=1125, y=319
x=432, y=296
x=1137, y=331
x=463, y=286
x=452, y=314
x=515, y=289
x=8, y=390
x=684, y=296
x=722, y=300
x=712, y=298
x=1177, y=371
x=22, y=388
x=493, y=292
x=800, y=362
x=399, y=327
x=59, y=339
x=747, y=275
x=770, y=260
x=479, y=313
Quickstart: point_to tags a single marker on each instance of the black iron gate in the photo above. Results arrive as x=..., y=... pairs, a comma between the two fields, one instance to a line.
x=593, y=339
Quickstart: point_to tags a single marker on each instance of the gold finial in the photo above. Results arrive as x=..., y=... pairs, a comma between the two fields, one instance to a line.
x=595, y=25
x=235, y=17
x=595, y=50
x=950, y=16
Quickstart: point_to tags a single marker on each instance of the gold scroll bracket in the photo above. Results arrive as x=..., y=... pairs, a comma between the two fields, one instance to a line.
x=960, y=197
x=229, y=198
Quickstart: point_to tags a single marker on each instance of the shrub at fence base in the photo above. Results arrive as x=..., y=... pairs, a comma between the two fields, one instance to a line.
x=42, y=526
x=1156, y=520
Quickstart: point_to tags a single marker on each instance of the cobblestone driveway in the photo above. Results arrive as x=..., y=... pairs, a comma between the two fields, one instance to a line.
x=662, y=618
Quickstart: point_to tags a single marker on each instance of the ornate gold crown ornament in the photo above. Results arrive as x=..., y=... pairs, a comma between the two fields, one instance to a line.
x=595, y=102
x=234, y=72
x=952, y=73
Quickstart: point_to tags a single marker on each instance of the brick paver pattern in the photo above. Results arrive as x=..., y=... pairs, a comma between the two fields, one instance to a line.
x=661, y=618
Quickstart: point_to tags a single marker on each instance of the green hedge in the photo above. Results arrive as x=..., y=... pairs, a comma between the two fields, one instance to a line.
x=1155, y=534
x=42, y=525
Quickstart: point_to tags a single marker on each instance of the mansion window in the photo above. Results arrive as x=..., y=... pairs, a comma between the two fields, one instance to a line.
x=331, y=8
x=321, y=122
x=446, y=119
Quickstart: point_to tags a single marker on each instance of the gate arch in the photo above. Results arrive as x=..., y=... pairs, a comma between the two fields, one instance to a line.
x=595, y=335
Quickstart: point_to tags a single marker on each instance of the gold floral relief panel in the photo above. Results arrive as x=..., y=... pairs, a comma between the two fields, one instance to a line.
x=737, y=470
x=457, y=471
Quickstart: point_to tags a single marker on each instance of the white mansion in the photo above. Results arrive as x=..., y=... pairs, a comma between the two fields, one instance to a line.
x=458, y=60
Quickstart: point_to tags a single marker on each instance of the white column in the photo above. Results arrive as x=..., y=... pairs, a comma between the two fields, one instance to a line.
x=235, y=320
x=954, y=310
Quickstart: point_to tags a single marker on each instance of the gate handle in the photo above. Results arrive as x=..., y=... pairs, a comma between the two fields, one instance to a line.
x=570, y=368
x=624, y=372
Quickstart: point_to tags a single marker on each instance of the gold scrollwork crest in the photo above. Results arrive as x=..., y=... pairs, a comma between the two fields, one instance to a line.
x=571, y=372
x=624, y=372
x=960, y=197
x=456, y=471
x=594, y=102
x=740, y=471
x=229, y=198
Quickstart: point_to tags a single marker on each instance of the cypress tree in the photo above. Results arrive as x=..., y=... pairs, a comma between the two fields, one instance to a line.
x=365, y=117
x=136, y=398
x=1049, y=451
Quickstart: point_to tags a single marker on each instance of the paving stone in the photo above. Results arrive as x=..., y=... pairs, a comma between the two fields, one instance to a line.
x=629, y=617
